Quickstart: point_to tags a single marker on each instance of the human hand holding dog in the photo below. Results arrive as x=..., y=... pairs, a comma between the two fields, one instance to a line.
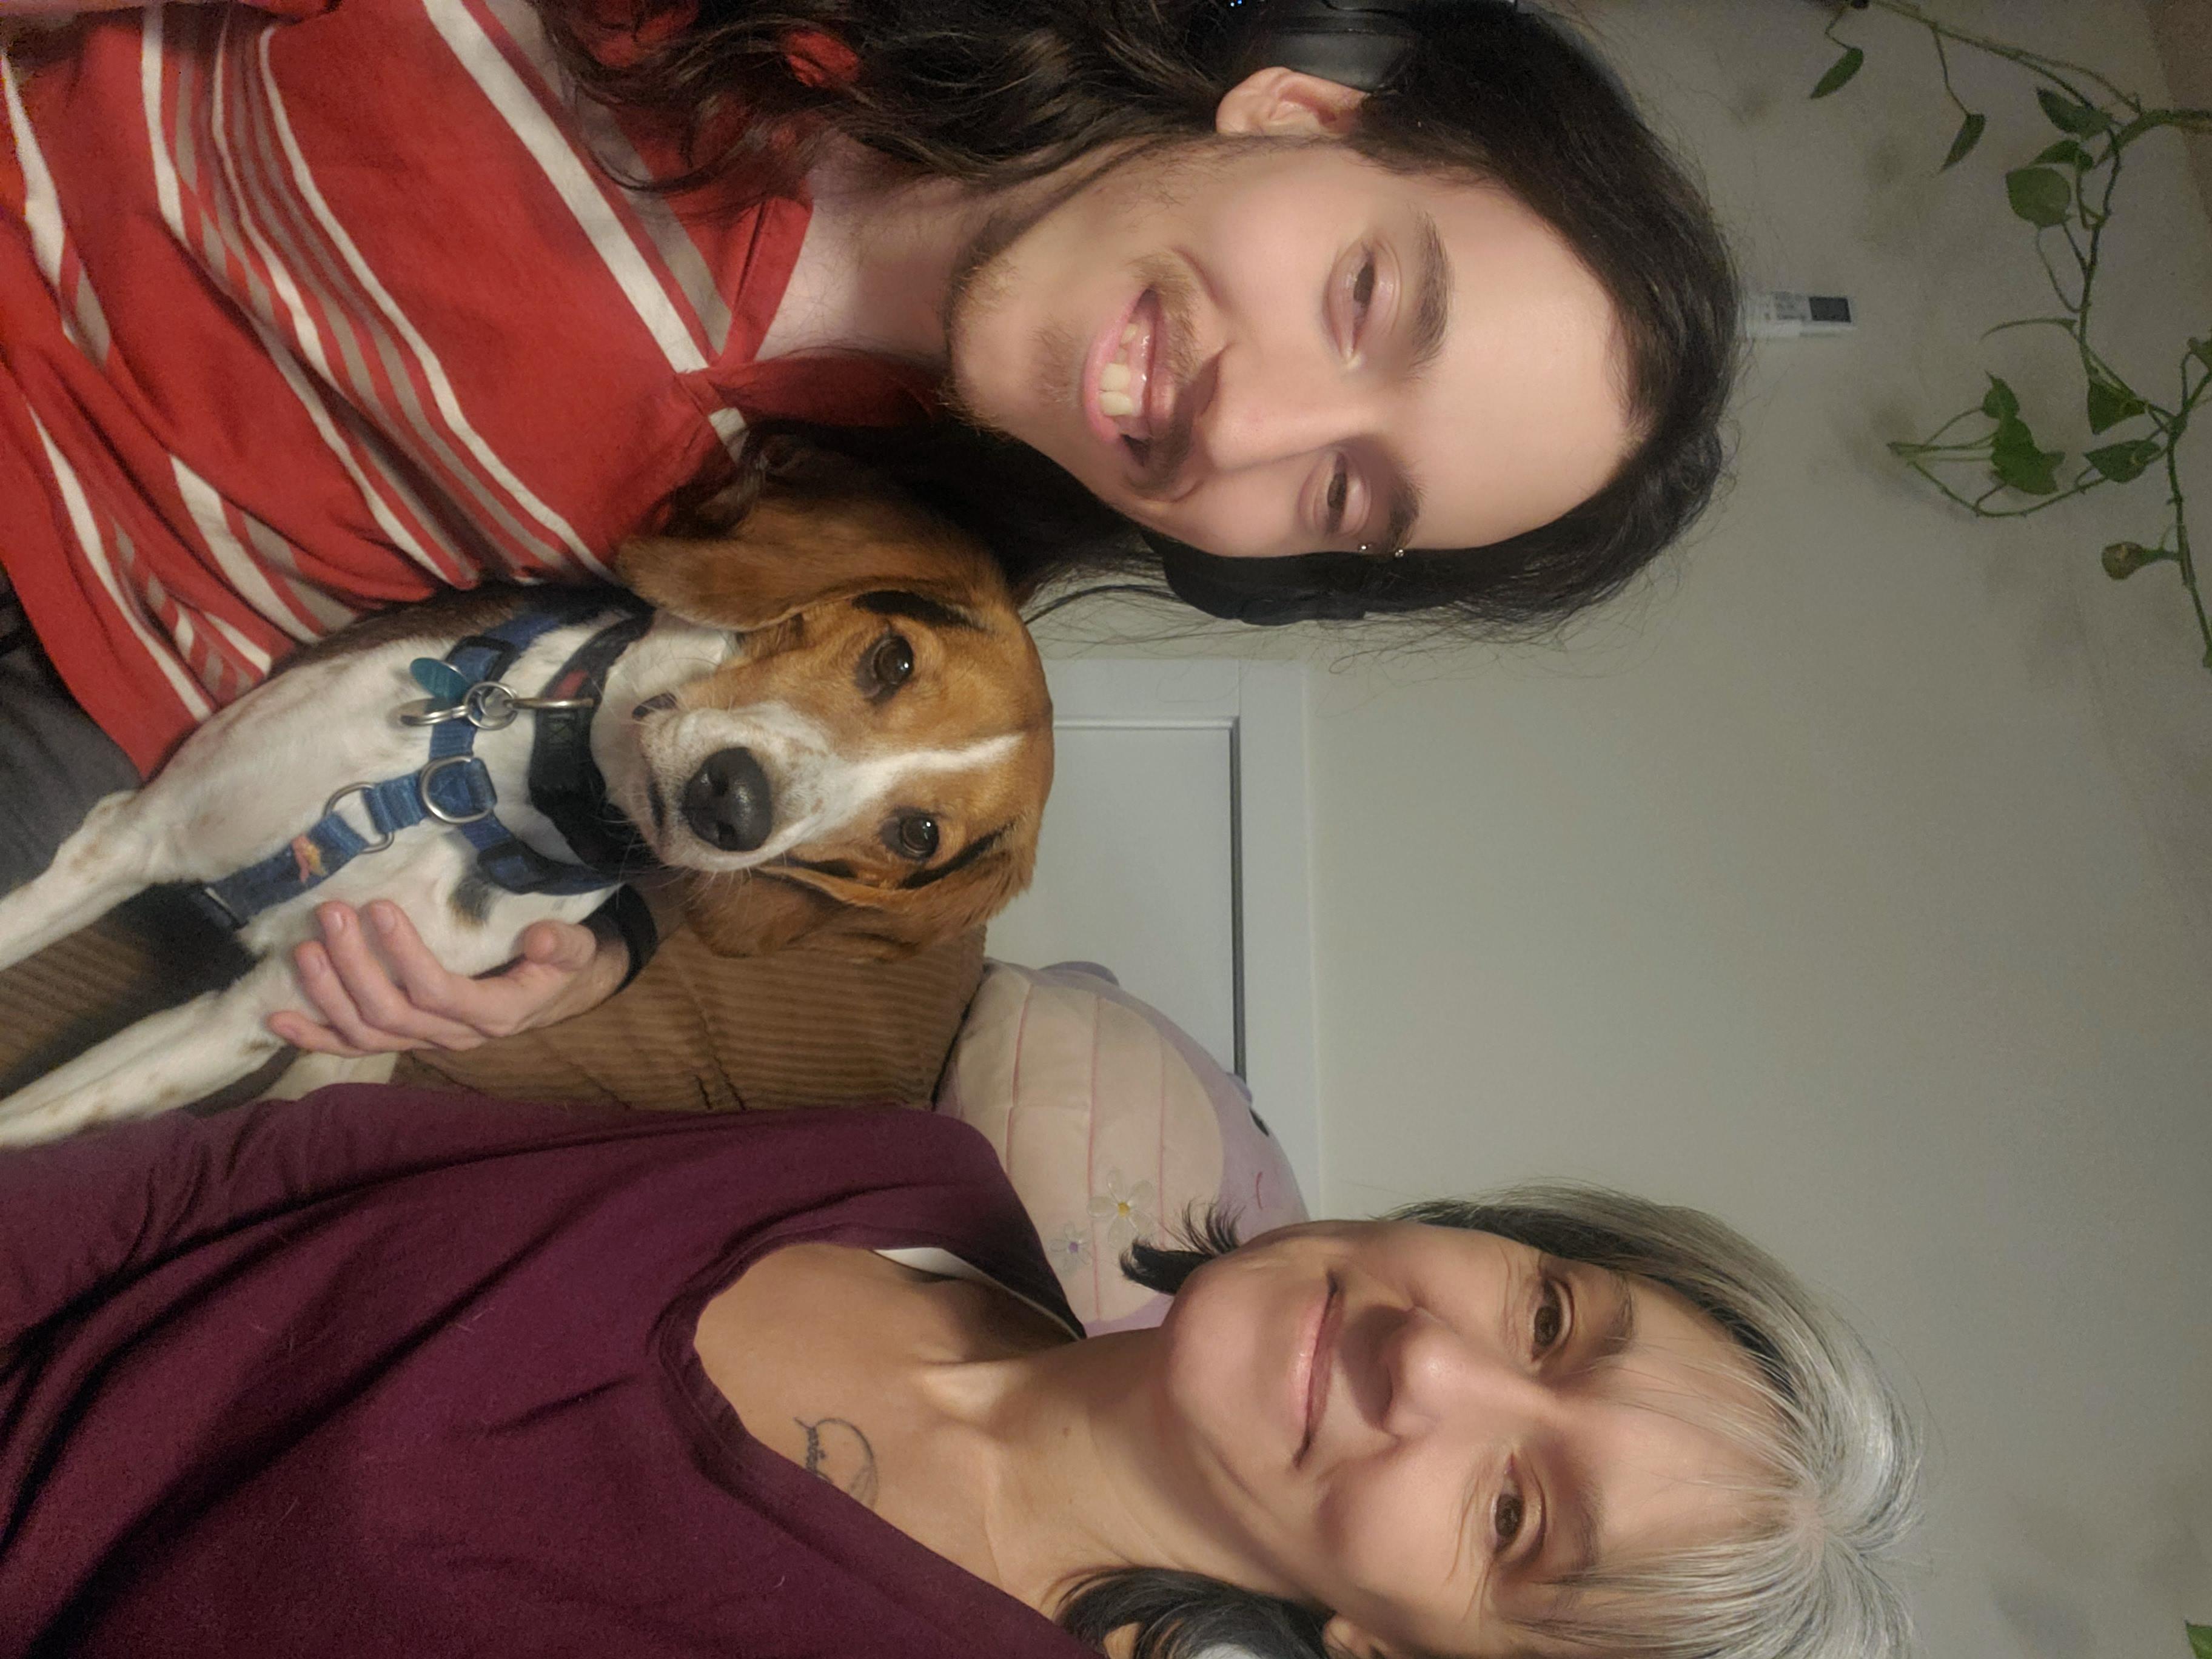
x=378, y=989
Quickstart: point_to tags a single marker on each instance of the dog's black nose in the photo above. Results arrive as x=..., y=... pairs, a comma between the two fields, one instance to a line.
x=728, y=801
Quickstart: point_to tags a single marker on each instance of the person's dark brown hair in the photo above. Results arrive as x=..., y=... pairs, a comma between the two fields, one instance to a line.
x=997, y=91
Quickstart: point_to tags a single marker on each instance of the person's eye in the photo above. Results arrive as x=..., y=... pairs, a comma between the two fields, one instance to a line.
x=1338, y=496
x=1362, y=297
x=1548, y=1328
x=1509, y=1513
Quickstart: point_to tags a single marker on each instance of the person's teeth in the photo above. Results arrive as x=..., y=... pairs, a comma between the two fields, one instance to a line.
x=1114, y=404
x=1115, y=377
x=1129, y=333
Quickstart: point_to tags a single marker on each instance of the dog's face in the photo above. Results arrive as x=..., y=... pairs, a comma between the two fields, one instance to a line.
x=871, y=768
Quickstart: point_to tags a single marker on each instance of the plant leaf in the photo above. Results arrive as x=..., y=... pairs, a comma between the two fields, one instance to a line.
x=2121, y=561
x=2000, y=403
x=2202, y=349
x=1840, y=72
x=2040, y=195
x=1969, y=135
x=2019, y=463
x=2068, y=153
x=2109, y=405
x=2068, y=116
x=2122, y=462
x=2200, y=1636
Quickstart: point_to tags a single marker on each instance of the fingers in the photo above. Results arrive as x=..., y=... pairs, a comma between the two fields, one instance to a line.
x=378, y=988
x=302, y=1032
x=559, y=946
x=370, y=1006
x=552, y=955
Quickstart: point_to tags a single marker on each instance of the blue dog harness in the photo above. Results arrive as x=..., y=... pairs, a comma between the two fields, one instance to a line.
x=454, y=787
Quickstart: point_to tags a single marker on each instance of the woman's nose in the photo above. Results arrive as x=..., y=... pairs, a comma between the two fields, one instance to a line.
x=1438, y=1374
x=1257, y=408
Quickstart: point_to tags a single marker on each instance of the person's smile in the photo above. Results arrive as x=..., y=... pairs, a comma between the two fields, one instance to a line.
x=1265, y=348
x=1313, y=1379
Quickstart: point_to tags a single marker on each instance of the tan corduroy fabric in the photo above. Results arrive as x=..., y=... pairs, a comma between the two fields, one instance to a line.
x=696, y=1030
x=703, y=1032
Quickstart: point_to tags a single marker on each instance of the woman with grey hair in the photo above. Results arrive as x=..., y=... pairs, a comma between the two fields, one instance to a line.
x=385, y=1372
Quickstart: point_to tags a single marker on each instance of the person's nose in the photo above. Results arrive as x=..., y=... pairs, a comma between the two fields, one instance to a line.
x=1258, y=407
x=1440, y=1376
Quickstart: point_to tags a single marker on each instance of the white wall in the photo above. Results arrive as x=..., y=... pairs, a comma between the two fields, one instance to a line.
x=1857, y=882
x=2183, y=30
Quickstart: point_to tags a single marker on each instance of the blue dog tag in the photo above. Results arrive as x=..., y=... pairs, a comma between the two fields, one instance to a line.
x=445, y=682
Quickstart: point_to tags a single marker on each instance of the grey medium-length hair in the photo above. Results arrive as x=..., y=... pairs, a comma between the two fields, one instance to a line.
x=1815, y=1576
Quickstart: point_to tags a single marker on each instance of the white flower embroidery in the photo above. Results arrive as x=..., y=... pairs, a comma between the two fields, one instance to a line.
x=1069, y=1249
x=1126, y=1209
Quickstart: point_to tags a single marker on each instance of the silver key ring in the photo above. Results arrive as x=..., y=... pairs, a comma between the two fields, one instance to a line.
x=556, y=703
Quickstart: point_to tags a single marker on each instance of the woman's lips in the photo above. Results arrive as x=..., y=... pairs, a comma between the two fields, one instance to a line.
x=1319, y=1355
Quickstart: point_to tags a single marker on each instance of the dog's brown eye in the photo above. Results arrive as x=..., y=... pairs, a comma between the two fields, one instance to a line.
x=889, y=664
x=913, y=836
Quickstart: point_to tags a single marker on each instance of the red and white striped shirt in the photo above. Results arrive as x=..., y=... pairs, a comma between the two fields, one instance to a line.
x=299, y=318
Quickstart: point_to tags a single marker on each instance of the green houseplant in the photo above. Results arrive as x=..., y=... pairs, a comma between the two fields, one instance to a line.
x=1987, y=459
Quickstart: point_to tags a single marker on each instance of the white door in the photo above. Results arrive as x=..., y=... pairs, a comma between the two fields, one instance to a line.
x=1174, y=853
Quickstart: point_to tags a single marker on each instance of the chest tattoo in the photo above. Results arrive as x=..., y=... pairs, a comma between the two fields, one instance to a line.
x=839, y=1453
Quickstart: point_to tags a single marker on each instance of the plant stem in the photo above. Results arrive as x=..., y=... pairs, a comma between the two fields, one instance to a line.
x=2053, y=70
x=1974, y=505
x=2179, y=502
x=2113, y=119
x=2057, y=288
x=2091, y=363
x=1943, y=62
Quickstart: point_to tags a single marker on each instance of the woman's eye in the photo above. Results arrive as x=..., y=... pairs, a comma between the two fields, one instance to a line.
x=1362, y=294
x=912, y=835
x=1506, y=1516
x=1550, y=1323
x=1340, y=494
x=891, y=663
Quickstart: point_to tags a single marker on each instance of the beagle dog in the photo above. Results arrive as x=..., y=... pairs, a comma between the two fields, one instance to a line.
x=828, y=723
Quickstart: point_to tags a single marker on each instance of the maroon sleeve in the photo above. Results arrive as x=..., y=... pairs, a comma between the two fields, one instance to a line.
x=78, y=1214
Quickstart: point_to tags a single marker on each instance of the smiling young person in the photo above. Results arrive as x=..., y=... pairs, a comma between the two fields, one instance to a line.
x=1395, y=275
x=468, y=1377
x=302, y=318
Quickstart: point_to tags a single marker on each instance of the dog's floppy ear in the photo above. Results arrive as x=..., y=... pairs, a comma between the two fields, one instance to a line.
x=757, y=913
x=895, y=922
x=797, y=548
x=753, y=914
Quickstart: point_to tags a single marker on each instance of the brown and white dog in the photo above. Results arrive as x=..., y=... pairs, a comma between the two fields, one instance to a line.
x=835, y=727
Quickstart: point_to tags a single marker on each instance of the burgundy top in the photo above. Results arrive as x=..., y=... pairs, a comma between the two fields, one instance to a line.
x=388, y=1372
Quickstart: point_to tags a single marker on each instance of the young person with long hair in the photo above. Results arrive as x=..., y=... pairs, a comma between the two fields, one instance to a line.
x=382, y=1372
x=1316, y=307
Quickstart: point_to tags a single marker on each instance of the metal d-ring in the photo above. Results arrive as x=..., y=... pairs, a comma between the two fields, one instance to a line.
x=363, y=789
x=489, y=706
x=428, y=711
x=422, y=788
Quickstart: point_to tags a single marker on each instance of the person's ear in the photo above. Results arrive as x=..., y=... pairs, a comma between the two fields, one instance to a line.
x=1283, y=103
x=1341, y=1635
